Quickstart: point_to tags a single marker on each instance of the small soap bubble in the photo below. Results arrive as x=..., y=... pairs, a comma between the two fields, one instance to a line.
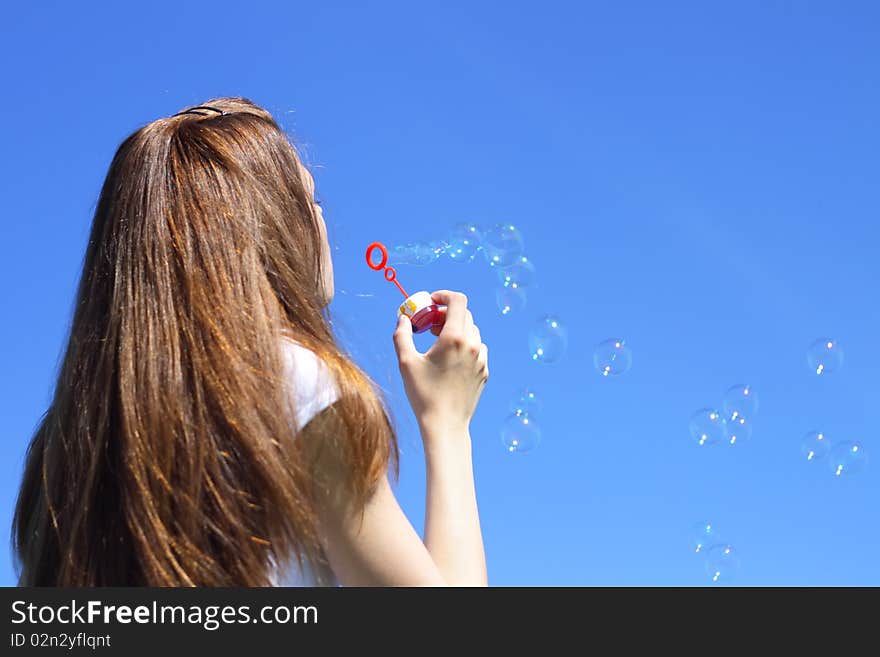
x=520, y=274
x=355, y=295
x=612, y=357
x=704, y=536
x=502, y=245
x=464, y=239
x=520, y=433
x=404, y=254
x=737, y=430
x=722, y=564
x=824, y=356
x=740, y=401
x=438, y=247
x=527, y=403
x=425, y=253
x=510, y=300
x=847, y=458
x=707, y=427
x=548, y=340
x=815, y=446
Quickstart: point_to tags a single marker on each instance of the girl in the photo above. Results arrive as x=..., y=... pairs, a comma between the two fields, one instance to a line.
x=206, y=429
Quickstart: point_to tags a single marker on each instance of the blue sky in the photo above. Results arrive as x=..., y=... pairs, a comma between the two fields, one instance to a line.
x=698, y=180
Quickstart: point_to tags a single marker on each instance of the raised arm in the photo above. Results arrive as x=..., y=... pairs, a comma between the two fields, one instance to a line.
x=378, y=546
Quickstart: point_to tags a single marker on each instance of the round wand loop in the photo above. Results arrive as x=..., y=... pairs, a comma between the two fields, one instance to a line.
x=389, y=272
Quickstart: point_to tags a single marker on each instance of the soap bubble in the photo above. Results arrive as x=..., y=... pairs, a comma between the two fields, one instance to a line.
x=527, y=403
x=722, y=564
x=438, y=247
x=707, y=427
x=704, y=536
x=405, y=254
x=740, y=401
x=464, y=239
x=847, y=458
x=815, y=446
x=424, y=253
x=738, y=430
x=519, y=274
x=824, y=356
x=414, y=253
x=548, y=339
x=510, y=300
x=520, y=433
x=502, y=245
x=612, y=356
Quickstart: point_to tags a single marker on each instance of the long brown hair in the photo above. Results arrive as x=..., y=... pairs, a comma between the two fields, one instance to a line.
x=166, y=456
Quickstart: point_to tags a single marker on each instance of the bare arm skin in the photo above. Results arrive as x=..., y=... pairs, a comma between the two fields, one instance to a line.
x=379, y=546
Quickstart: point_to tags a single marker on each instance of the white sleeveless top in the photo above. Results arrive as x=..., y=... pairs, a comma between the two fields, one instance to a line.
x=311, y=389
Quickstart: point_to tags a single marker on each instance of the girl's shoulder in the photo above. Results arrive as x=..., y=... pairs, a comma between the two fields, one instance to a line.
x=311, y=385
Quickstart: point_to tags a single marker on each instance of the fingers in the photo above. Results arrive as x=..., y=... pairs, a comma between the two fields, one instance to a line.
x=437, y=328
x=483, y=362
x=459, y=333
x=438, y=325
x=468, y=322
x=456, y=307
x=475, y=340
x=403, y=339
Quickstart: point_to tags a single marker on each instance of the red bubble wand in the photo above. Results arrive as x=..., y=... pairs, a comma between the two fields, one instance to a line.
x=419, y=307
x=389, y=272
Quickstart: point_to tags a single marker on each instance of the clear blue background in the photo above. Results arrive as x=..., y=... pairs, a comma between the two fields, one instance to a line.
x=700, y=181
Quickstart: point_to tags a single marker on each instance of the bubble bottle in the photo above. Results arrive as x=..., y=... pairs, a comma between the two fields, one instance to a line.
x=423, y=313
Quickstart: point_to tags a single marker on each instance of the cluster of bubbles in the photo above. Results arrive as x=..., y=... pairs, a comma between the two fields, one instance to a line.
x=720, y=558
x=503, y=249
x=548, y=341
x=520, y=432
x=824, y=356
x=732, y=424
x=843, y=458
x=501, y=246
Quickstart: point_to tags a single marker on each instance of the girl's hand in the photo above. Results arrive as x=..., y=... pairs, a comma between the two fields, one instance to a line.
x=444, y=384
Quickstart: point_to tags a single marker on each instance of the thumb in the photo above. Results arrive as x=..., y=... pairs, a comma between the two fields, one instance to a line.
x=403, y=338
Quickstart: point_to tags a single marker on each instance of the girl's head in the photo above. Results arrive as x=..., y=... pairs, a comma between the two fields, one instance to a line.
x=167, y=455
